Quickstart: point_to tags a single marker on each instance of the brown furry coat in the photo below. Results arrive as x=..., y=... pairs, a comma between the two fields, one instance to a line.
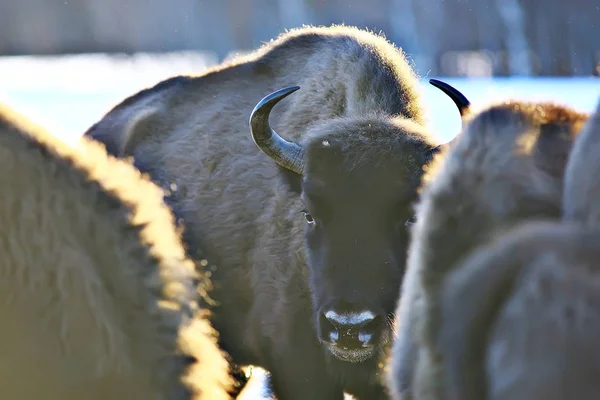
x=96, y=295
x=506, y=166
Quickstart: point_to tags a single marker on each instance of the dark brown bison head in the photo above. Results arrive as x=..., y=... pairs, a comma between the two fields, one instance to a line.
x=357, y=178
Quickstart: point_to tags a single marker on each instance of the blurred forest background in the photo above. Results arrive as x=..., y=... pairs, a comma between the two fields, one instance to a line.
x=444, y=37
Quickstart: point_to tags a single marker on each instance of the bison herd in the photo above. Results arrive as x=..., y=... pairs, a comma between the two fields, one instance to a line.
x=290, y=210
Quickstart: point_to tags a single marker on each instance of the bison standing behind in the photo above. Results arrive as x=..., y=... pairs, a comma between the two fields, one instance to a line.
x=521, y=316
x=506, y=166
x=310, y=233
x=97, y=299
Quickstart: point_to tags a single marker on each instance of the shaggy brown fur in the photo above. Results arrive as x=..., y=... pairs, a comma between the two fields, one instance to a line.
x=581, y=175
x=358, y=116
x=97, y=297
x=505, y=167
x=521, y=317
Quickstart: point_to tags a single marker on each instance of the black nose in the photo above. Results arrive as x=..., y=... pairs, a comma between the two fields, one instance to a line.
x=351, y=330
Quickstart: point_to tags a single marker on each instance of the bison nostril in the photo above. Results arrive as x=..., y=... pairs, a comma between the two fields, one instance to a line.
x=368, y=330
x=349, y=330
x=371, y=325
x=327, y=331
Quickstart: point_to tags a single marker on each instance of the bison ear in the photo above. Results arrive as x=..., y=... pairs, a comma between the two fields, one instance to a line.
x=292, y=180
x=124, y=130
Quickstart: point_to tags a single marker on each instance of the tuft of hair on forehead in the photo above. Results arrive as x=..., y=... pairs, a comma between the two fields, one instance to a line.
x=355, y=141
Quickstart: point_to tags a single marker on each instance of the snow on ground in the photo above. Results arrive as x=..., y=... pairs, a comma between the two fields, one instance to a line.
x=68, y=94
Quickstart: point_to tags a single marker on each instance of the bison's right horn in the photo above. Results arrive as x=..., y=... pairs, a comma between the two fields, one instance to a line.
x=457, y=97
x=287, y=154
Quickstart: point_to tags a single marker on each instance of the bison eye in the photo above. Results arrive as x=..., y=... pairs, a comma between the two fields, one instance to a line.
x=308, y=217
x=412, y=220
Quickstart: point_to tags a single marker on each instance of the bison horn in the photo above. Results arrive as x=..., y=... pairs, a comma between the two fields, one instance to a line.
x=457, y=97
x=287, y=154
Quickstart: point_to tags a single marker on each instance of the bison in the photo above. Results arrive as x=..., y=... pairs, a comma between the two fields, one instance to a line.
x=506, y=166
x=302, y=204
x=521, y=316
x=98, y=300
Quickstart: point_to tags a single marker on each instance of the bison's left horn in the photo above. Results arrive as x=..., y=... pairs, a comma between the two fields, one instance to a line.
x=287, y=154
x=462, y=103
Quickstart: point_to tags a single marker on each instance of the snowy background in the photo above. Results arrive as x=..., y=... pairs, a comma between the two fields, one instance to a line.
x=67, y=94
